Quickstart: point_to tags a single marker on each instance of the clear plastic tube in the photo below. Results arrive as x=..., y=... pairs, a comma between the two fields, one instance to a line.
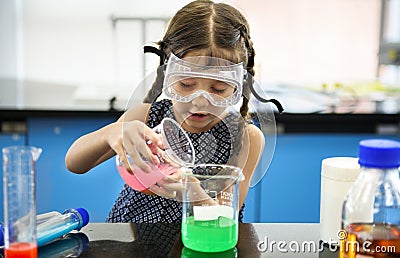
x=52, y=225
x=61, y=224
x=40, y=218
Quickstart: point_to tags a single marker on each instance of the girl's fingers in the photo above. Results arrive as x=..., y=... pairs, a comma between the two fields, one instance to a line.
x=125, y=163
x=148, y=147
x=175, y=177
x=138, y=161
x=154, y=137
x=144, y=150
x=122, y=158
x=154, y=143
x=173, y=186
x=162, y=191
x=156, y=151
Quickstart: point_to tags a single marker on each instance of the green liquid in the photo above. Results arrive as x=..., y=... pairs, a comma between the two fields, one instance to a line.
x=189, y=253
x=211, y=235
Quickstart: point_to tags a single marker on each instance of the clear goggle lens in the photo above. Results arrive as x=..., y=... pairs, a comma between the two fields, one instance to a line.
x=184, y=79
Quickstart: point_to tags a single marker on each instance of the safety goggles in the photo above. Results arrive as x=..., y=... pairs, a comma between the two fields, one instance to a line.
x=181, y=80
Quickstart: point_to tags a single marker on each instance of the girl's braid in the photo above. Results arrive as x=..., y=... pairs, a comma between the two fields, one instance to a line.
x=247, y=83
x=157, y=86
x=249, y=79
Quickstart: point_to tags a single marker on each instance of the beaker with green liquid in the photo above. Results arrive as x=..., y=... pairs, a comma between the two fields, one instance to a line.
x=210, y=203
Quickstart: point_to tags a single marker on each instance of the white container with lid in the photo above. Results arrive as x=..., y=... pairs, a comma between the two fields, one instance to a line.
x=337, y=176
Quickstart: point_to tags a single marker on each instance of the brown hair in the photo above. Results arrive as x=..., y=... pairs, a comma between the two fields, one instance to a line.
x=209, y=29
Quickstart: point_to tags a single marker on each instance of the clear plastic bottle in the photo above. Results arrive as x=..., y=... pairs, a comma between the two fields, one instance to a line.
x=59, y=225
x=371, y=210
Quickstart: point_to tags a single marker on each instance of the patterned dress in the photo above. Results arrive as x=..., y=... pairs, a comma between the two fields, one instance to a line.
x=213, y=146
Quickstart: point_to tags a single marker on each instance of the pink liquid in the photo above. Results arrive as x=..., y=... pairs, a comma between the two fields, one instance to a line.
x=21, y=250
x=141, y=180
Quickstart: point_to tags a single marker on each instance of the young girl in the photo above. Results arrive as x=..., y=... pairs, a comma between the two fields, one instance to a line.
x=212, y=42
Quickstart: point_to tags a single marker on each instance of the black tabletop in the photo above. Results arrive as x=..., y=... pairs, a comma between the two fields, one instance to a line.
x=140, y=240
x=158, y=240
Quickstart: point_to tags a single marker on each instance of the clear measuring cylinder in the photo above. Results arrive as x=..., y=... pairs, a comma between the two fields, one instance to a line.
x=19, y=177
x=210, y=203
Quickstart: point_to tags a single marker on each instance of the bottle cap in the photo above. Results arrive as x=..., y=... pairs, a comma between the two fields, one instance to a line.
x=82, y=214
x=344, y=169
x=85, y=216
x=379, y=153
x=1, y=234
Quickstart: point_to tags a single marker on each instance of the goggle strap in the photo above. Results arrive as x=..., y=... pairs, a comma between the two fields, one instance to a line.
x=261, y=99
x=154, y=50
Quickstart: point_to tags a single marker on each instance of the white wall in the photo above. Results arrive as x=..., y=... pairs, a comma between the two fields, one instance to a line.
x=315, y=41
x=8, y=38
x=71, y=43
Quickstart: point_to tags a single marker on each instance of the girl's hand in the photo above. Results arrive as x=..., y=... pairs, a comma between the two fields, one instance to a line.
x=170, y=186
x=138, y=141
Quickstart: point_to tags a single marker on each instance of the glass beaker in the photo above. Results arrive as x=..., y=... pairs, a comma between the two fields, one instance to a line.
x=210, y=203
x=189, y=253
x=19, y=177
x=178, y=152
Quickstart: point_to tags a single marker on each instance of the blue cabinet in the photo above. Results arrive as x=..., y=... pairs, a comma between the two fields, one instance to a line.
x=59, y=189
x=290, y=190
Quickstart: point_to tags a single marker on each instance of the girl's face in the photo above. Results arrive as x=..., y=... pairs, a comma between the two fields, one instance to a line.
x=199, y=114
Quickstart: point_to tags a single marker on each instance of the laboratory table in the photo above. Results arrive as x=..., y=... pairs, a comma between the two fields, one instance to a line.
x=159, y=240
